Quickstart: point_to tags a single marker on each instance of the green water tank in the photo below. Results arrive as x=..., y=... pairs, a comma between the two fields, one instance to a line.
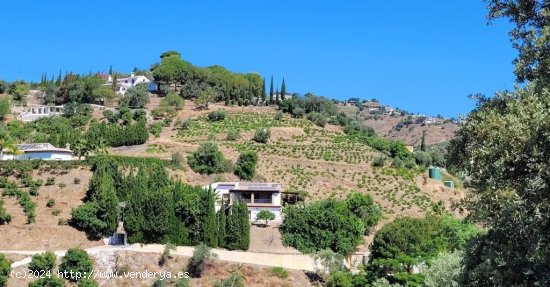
x=434, y=172
x=449, y=184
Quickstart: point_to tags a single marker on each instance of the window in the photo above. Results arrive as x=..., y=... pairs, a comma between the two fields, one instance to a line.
x=263, y=197
x=246, y=196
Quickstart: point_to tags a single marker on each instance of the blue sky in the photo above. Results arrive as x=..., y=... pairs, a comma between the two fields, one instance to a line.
x=424, y=56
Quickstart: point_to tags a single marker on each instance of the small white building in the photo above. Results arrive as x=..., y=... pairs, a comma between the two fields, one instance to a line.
x=34, y=112
x=42, y=151
x=124, y=84
x=257, y=195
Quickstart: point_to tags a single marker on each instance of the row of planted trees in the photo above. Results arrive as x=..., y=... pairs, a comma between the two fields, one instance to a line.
x=157, y=209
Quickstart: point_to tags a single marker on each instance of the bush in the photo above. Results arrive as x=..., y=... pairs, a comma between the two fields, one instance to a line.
x=379, y=161
x=165, y=256
x=48, y=282
x=159, y=283
x=279, y=272
x=364, y=207
x=184, y=124
x=156, y=128
x=245, y=168
x=5, y=218
x=173, y=100
x=444, y=270
x=234, y=280
x=43, y=262
x=197, y=263
x=136, y=97
x=50, y=203
x=87, y=283
x=233, y=135
x=298, y=113
x=262, y=135
x=216, y=116
x=33, y=190
x=317, y=119
x=177, y=160
x=5, y=268
x=330, y=225
x=208, y=159
x=340, y=279
x=423, y=158
x=76, y=261
x=50, y=181
x=56, y=212
x=278, y=116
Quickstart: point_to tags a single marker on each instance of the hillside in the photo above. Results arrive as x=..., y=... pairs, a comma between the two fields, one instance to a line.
x=407, y=128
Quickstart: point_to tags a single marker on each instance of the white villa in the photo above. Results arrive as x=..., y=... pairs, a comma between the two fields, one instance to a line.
x=43, y=151
x=33, y=112
x=257, y=195
x=124, y=84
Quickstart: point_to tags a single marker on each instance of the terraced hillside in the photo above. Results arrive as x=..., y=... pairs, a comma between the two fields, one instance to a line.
x=318, y=162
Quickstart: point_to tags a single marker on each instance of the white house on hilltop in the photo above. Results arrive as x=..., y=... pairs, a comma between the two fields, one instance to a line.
x=257, y=195
x=43, y=151
x=124, y=84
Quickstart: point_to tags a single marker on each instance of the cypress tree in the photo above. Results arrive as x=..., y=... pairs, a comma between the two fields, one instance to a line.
x=52, y=80
x=58, y=82
x=210, y=230
x=113, y=84
x=277, y=96
x=263, y=91
x=271, y=91
x=283, y=89
x=111, y=70
x=244, y=222
x=221, y=227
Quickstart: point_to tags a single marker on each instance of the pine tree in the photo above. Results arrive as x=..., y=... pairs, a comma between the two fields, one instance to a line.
x=277, y=96
x=221, y=227
x=283, y=89
x=263, y=91
x=271, y=92
x=210, y=226
x=423, y=143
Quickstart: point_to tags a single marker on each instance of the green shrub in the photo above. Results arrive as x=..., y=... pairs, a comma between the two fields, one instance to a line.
x=262, y=135
x=298, y=113
x=279, y=272
x=197, y=263
x=156, y=128
x=423, y=158
x=76, y=180
x=234, y=280
x=233, y=135
x=364, y=207
x=50, y=203
x=177, y=160
x=5, y=218
x=208, y=159
x=76, y=261
x=330, y=225
x=5, y=268
x=278, y=116
x=379, y=161
x=173, y=100
x=56, y=212
x=216, y=116
x=50, y=181
x=43, y=262
x=245, y=168
x=184, y=124
x=87, y=283
x=33, y=190
x=48, y=282
x=317, y=119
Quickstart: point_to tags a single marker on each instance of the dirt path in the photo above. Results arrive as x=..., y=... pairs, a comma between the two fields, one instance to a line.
x=288, y=261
